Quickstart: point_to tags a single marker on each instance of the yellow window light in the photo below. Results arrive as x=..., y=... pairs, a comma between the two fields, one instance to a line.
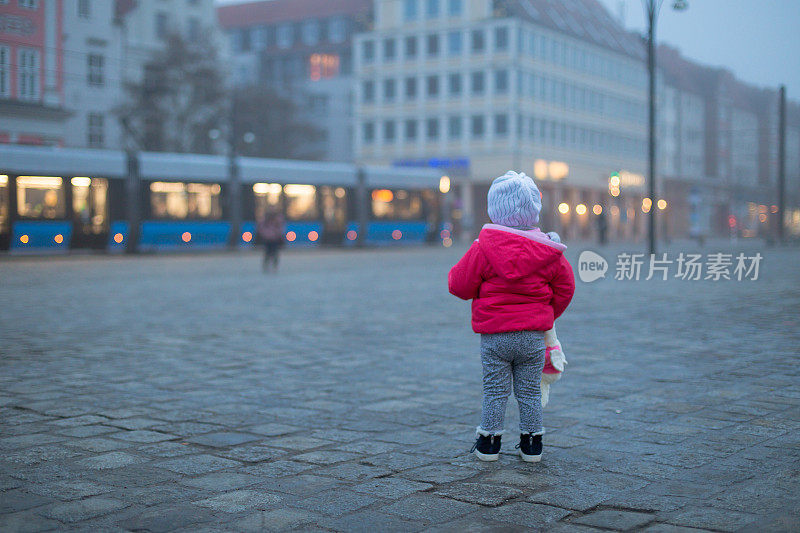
x=382, y=195
x=267, y=188
x=81, y=182
x=662, y=204
x=563, y=208
x=580, y=209
x=444, y=184
x=299, y=190
x=3, y=179
x=340, y=192
x=167, y=186
x=39, y=182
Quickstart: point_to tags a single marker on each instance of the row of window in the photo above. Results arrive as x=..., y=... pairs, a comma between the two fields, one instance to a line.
x=432, y=9
x=164, y=25
x=531, y=44
x=286, y=35
x=561, y=93
x=433, y=44
x=479, y=126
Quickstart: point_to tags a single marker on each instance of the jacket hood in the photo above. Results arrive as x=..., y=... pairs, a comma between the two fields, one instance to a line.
x=514, y=253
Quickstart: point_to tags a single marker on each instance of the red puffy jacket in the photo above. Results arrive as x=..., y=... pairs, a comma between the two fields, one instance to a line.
x=517, y=280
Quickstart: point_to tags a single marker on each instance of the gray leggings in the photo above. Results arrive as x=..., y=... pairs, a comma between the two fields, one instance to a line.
x=517, y=356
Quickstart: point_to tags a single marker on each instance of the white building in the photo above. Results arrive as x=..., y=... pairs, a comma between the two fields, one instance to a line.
x=555, y=89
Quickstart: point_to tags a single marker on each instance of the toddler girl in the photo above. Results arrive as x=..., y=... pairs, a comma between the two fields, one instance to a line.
x=519, y=282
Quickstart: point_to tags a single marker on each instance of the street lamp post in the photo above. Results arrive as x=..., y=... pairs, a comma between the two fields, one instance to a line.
x=234, y=181
x=652, y=7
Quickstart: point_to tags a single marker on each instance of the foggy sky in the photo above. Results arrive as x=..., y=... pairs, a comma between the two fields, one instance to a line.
x=758, y=40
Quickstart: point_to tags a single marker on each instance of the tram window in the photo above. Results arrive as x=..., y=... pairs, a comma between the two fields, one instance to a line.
x=301, y=202
x=267, y=195
x=334, y=205
x=89, y=202
x=3, y=202
x=397, y=205
x=40, y=197
x=185, y=200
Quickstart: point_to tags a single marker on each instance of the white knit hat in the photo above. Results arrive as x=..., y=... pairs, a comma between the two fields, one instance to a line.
x=514, y=201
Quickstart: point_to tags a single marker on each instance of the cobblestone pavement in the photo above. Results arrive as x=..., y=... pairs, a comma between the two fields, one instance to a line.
x=195, y=393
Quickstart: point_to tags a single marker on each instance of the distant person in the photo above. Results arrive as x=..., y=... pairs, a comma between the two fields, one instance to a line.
x=519, y=282
x=271, y=229
x=602, y=227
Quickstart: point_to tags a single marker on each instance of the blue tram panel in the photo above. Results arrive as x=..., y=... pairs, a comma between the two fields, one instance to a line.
x=158, y=235
x=41, y=236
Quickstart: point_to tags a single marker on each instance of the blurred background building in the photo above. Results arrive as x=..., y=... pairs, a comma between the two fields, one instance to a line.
x=302, y=49
x=557, y=89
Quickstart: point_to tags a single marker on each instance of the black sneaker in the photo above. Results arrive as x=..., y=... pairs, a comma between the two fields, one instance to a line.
x=530, y=447
x=487, y=447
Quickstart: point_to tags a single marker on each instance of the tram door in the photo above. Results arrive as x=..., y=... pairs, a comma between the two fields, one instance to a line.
x=5, y=214
x=89, y=212
x=333, y=203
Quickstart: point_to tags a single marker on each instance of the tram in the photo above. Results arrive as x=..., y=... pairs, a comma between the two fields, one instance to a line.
x=56, y=199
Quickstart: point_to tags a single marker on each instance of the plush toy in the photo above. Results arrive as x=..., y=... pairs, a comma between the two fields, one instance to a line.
x=554, y=361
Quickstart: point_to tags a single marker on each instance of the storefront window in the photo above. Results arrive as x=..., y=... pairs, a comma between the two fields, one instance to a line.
x=3, y=202
x=89, y=203
x=185, y=200
x=40, y=197
x=396, y=205
x=301, y=202
x=267, y=195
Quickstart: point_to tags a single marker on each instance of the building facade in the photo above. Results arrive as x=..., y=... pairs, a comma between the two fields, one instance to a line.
x=555, y=89
x=64, y=63
x=303, y=50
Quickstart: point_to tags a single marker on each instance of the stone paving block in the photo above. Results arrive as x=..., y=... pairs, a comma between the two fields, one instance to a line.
x=252, y=453
x=525, y=515
x=34, y=439
x=240, y=500
x=299, y=442
x=336, y=503
x=68, y=490
x=98, y=444
x=429, y=507
x=325, y=457
x=166, y=449
x=438, y=473
x=480, y=493
x=76, y=511
x=353, y=471
x=709, y=518
x=391, y=488
x=162, y=519
x=398, y=461
x=302, y=484
x=197, y=464
x=670, y=528
x=614, y=519
x=141, y=435
x=27, y=522
x=84, y=420
x=276, y=520
x=86, y=431
x=41, y=454
x=186, y=429
x=20, y=500
x=369, y=521
x=134, y=423
x=278, y=469
x=110, y=460
x=222, y=439
x=221, y=481
x=273, y=429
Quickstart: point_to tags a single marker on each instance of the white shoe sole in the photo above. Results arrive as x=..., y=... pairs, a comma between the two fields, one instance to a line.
x=530, y=458
x=486, y=456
